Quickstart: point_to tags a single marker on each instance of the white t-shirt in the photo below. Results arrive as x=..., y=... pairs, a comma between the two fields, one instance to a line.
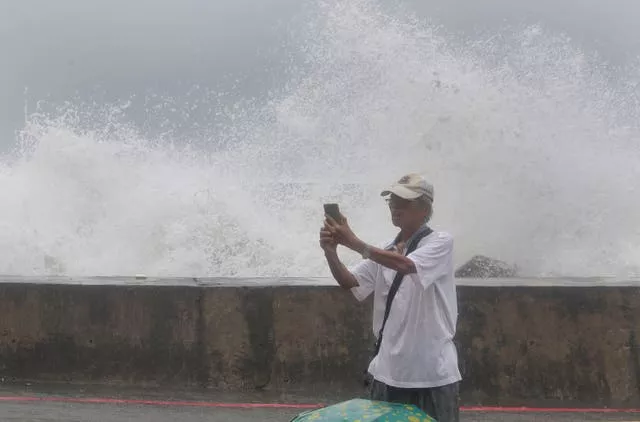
x=417, y=349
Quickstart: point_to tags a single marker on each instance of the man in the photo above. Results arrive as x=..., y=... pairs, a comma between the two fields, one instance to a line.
x=417, y=361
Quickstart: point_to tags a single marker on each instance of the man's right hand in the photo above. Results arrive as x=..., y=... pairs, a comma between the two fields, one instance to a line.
x=327, y=242
x=338, y=270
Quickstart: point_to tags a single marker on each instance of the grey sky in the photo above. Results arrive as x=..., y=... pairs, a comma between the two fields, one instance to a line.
x=610, y=25
x=58, y=48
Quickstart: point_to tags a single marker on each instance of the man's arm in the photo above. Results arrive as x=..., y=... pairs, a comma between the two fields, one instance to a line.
x=389, y=259
x=341, y=233
x=342, y=275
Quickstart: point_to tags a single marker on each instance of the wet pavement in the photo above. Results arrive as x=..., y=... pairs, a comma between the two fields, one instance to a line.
x=118, y=405
x=84, y=412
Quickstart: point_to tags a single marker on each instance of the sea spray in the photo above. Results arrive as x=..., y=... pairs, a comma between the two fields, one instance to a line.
x=532, y=146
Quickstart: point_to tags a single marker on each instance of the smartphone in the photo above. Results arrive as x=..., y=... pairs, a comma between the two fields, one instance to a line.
x=333, y=211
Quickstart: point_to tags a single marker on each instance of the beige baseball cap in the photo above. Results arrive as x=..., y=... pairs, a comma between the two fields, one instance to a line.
x=411, y=186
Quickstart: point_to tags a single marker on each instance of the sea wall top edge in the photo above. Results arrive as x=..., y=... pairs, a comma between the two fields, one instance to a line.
x=309, y=282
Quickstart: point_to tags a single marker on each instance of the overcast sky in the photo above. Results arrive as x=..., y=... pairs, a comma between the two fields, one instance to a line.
x=57, y=48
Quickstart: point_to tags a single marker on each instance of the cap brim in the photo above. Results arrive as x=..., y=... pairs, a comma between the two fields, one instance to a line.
x=402, y=192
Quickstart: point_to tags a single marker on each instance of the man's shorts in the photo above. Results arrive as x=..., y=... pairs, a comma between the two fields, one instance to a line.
x=441, y=403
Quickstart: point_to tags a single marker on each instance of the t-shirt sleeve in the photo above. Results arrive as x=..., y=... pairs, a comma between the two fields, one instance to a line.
x=365, y=273
x=433, y=260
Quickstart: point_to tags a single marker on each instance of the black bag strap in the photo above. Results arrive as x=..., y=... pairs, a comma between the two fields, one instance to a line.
x=413, y=244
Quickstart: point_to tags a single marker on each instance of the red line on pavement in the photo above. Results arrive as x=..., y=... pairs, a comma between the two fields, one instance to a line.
x=546, y=409
x=488, y=409
x=160, y=402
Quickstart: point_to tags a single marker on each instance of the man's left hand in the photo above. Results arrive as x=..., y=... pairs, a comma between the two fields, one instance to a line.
x=341, y=232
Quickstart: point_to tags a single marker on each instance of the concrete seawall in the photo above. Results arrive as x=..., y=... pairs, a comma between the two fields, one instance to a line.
x=521, y=342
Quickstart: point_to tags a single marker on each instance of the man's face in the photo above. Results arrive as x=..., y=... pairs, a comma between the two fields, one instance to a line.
x=406, y=213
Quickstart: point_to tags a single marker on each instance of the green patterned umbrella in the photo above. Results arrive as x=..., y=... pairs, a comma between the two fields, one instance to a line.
x=359, y=410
